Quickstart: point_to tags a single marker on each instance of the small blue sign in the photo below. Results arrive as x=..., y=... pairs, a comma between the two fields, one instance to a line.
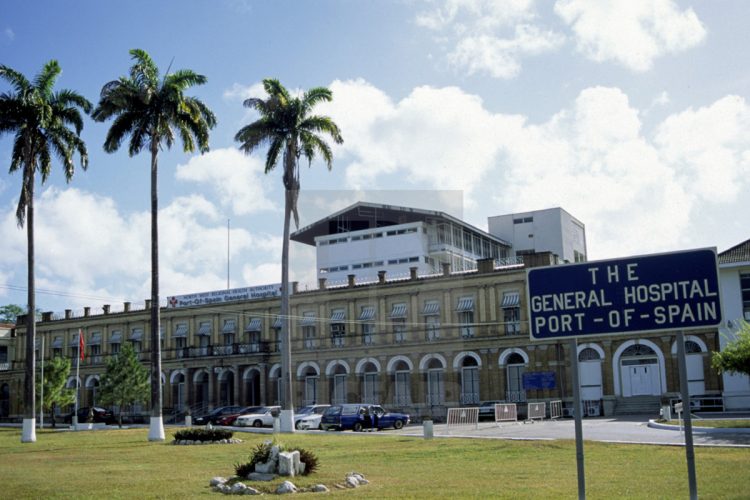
x=648, y=293
x=539, y=380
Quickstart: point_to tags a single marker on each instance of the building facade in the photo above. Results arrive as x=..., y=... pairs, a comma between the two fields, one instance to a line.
x=420, y=344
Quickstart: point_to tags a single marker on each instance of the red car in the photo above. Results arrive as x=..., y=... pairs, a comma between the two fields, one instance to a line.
x=229, y=419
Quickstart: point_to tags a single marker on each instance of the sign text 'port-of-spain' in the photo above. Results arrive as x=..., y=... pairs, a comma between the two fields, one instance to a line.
x=219, y=296
x=648, y=293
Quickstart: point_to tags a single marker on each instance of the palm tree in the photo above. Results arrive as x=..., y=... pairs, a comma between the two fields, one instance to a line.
x=287, y=127
x=44, y=123
x=152, y=111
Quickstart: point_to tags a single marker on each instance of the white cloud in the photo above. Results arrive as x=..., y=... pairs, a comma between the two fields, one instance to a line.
x=236, y=178
x=9, y=34
x=241, y=92
x=632, y=33
x=489, y=36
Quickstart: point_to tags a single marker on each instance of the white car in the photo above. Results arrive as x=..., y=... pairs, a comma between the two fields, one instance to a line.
x=263, y=417
x=309, y=422
x=307, y=411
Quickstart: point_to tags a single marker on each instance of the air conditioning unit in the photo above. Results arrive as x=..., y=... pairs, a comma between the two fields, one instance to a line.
x=592, y=411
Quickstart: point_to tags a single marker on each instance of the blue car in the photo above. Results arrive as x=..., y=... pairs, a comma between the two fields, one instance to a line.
x=352, y=416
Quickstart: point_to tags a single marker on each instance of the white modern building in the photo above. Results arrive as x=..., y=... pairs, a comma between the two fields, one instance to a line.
x=551, y=230
x=366, y=238
x=734, y=276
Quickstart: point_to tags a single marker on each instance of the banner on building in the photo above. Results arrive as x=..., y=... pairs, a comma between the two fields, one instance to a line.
x=219, y=296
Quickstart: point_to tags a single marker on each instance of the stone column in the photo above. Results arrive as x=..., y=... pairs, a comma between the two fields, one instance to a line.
x=189, y=388
x=211, y=388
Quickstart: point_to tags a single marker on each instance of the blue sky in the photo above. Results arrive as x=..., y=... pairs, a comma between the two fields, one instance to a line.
x=630, y=114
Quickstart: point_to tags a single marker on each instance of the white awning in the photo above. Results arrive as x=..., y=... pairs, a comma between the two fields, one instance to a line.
x=431, y=308
x=205, y=328
x=338, y=316
x=465, y=304
x=57, y=343
x=367, y=314
x=511, y=299
x=180, y=331
x=398, y=311
x=115, y=337
x=96, y=339
x=276, y=323
x=308, y=320
x=230, y=326
x=254, y=325
x=136, y=334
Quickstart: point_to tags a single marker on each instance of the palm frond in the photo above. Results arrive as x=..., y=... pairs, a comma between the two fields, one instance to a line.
x=272, y=157
x=276, y=90
x=314, y=96
x=318, y=123
x=45, y=80
x=312, y=144
x=16, y=79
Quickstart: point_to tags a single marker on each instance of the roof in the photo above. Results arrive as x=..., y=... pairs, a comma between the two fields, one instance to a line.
x=363, y=215
x=738, y=253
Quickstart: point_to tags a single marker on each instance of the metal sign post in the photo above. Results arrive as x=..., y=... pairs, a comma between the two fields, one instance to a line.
x=684, y=394
x=577, y=413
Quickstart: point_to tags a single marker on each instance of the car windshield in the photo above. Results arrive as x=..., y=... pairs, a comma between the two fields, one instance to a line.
x=305, y=410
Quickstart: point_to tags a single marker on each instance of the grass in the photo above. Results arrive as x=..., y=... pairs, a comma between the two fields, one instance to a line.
x=123, y=464
x=715, y=423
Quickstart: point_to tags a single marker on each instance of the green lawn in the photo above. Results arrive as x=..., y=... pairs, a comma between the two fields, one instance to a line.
x=123, y=464
x=715, y=423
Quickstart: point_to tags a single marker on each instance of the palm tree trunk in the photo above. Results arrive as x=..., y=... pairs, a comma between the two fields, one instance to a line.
x=156, y=432
x=287, y=404
x=29, y=400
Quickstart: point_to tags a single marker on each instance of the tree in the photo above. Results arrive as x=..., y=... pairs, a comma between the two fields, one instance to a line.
x=125, y=382
x=44, y=123
x=56, y=373
x=152, y=111
x=9, y=313
x=288, y=128
x=735, y=357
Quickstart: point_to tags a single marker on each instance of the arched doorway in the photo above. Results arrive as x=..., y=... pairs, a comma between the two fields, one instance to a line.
x=226, y=388
x=370, y=387
x=435, y=381
x=590, y=373
x=639, y=371
x=695, y=350
x=252, y=387
x=338, y=385
x=92, y=389
x=178, y=391
x=515, y=368
x=200, y=384
x=469, y=381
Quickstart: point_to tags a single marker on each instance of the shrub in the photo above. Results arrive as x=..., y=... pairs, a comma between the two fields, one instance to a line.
x=309, y=459
x=203, y=434
x=261, y=454
x=243, y=470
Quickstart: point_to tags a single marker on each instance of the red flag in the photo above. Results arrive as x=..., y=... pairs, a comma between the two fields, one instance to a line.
x=81, y=344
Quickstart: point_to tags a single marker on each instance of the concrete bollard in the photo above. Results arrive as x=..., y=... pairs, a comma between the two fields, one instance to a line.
x=427, y=429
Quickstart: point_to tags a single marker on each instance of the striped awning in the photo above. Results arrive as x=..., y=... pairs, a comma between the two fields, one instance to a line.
x=205, y=328
x=180, y=331
x=367, y=314
x=230, y=326
x=465, y=304
x=431, y=308
x=276, y=323
x=308, y=320
x=136, y=334
x=115, y=337
x=338, y=316
x=96, y=339
x=511, y=299
x=254, y=325
x=57, y=343
x=398, y=311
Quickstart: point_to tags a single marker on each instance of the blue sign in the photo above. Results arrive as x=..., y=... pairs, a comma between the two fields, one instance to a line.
x=538, y=380
x=648, y=293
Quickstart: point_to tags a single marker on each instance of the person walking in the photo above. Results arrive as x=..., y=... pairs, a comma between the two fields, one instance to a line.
x=375, y=418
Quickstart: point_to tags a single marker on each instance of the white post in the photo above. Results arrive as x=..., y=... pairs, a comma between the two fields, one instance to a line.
x=41, y=385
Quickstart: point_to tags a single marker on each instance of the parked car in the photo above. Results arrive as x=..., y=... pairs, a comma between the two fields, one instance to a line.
x=100, y=415
x=308, y=422
x=262, y=417
x=307, y=411
x=230, y=419
x=214, y=415
x=351, y=416
x=487, y=410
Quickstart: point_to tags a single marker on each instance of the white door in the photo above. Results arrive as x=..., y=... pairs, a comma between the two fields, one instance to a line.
x=696, y=383
x=591, y=380
x=640, y=379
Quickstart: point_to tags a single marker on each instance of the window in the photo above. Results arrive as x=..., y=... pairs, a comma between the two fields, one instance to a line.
x=402, y=382
x=368, y=333
x=370, y=385
x=516, y=367
x=470, y=381
x=435, y=384
x=465, y=312
x=308, y=329
x=511, y=313
x=338, y=327
x=432, y=327
x=398, y=322
x=95, y=351
x=745, y=286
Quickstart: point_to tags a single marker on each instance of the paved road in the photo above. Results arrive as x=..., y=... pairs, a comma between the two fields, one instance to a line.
x=631, y=429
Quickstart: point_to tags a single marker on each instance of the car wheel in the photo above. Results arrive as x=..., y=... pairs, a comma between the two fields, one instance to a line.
x=297, y=425
x=320, y=427
x=258, y=423
x=357, y=427
x=398, y=424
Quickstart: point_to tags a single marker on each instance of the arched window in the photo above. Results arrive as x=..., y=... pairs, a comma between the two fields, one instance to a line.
x=311, y=385
x=402, y=382
x=469, y=381
x=638, y=350
x=435, y=382
x=339, y=385
x=589, y=354
x=516, y=367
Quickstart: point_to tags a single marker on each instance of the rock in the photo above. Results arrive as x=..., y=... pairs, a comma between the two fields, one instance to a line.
x=266, y=468
x=301, y=469
x=251, y=491
x=286, y=487
x=238, y=489
x=274, y=454
x=320, y=488
x=288, y=463
x=260, y=476
x=215, y=481
x=352, y=482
